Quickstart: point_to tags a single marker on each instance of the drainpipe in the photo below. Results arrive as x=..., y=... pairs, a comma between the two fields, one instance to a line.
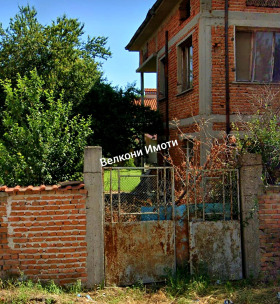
x=166, y=86
x=227, y=70
x=142, y=104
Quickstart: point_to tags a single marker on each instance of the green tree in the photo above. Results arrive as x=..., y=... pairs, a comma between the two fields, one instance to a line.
x=40, y=144
x=57, y=51
x=118, y=123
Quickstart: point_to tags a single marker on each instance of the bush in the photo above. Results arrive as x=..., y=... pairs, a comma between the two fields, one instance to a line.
x=41, y=143
x=262, y=133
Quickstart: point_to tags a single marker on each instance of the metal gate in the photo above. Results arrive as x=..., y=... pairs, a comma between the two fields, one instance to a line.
x=139, y=224
x=213, y=212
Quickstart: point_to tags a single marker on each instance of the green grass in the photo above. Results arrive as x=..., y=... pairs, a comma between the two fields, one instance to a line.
x=22, y=291
x=127, y=184
x=181, y=289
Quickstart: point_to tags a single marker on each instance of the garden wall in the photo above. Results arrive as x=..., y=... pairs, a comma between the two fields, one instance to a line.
x=269, y=221
x=43, y=232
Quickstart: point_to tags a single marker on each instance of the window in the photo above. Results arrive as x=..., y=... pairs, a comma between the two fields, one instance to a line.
x=258, y=56
x=185, y=65
x=263, y=3
x=188, y=146
x=185, y=10
x=162, y=78
x=145, y=52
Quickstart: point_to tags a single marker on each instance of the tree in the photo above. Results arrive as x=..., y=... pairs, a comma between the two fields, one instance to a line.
x=118, y=123
x=62, y=59
x=40, y=144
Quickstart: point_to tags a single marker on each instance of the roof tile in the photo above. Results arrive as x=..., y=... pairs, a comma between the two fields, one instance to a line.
x=36, y=189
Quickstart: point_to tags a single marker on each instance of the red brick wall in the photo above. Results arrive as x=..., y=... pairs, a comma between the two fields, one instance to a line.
x=43, y=234
x=269, y=216
x=173, y=25
x=186, y=104
x=218, y=68
x=241, y=94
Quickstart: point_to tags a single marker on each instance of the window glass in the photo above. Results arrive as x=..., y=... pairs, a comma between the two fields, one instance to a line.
x=276, y=72
x=186, y=68
x=263, y=56
x=191, y=67
x=189, y=149
x=243, y=56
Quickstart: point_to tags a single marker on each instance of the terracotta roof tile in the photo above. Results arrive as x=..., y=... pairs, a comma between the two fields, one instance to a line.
x=152, y=103
x=19, y=189
x=147, y=90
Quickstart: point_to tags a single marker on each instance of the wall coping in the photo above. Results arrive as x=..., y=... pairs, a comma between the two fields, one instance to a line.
x=250, y=159
x=42, y=188
x=272, y=188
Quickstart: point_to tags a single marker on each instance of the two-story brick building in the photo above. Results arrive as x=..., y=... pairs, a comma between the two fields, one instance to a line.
x=209, y=56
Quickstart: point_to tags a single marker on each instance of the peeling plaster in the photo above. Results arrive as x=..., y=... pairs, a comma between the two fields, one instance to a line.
x=9, y=226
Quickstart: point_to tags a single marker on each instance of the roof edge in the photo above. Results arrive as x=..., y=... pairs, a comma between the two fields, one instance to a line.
x=149, y=16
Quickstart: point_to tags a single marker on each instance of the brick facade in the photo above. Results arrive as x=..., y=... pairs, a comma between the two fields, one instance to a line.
x=43, y=233
x=206, y=98
x=269, y=217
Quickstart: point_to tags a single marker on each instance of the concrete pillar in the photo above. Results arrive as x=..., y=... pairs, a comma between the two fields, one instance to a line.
x=205, y=5
x=251, y=186
x=94, y=215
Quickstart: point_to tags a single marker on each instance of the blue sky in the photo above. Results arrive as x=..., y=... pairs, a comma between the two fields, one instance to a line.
x=117, y=20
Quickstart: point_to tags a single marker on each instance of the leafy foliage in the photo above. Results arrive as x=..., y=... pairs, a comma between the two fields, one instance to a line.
x=41, y=144
x=43, y=133
x=262, y=132
x=118, y=123
x=57, y=51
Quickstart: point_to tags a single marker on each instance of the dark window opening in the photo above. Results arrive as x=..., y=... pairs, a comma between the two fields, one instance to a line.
x=185, y=65
x=263, y=3
x=145, y=52
x=185, y=10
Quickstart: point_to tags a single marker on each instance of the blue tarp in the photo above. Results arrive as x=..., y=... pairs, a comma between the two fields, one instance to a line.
x=180, y=211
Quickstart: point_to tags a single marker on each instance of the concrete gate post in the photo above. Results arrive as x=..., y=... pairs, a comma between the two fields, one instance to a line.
x=251, y=187
x=94, y=215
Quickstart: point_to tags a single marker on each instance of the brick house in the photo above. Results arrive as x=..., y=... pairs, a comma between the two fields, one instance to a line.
x=209, y=56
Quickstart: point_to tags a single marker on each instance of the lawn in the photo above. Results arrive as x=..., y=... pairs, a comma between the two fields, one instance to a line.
x=127, y=182
x=179, y=291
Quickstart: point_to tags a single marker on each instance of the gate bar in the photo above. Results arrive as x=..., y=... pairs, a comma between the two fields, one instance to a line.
x=119, y=194
x=111, y=197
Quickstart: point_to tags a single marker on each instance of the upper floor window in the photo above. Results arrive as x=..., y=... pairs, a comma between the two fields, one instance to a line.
x=263, y=3
x=185, y=10
x=258, y=56
x=145, y=52
x=185, y=65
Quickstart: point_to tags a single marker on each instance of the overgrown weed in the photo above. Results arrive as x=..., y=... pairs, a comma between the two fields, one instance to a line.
x=182, y=282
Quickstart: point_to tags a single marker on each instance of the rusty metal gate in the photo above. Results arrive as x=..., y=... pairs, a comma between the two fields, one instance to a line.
x=139, y=224
x=213, y=212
